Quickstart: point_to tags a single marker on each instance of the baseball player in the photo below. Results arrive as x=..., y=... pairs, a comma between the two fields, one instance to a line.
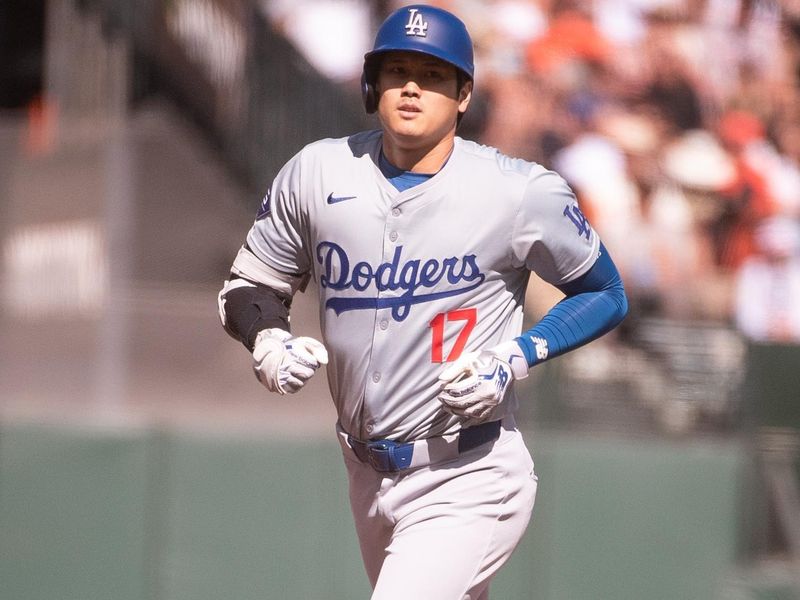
x=421, y=245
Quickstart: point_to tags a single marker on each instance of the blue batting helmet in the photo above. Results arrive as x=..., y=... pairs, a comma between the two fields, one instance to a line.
x=418, y=28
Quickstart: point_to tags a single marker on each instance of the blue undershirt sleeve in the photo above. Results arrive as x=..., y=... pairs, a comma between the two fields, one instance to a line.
x=595, y=303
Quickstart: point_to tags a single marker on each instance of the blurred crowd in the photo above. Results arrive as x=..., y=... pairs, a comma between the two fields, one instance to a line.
x=677, y=122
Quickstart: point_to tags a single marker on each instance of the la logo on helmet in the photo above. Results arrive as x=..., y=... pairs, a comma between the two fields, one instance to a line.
x=416, y=26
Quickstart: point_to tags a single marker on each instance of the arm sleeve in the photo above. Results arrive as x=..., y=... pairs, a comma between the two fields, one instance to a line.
x=595, y=303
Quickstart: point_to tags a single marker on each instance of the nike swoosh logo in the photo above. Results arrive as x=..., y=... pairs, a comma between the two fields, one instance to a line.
x=334, y=199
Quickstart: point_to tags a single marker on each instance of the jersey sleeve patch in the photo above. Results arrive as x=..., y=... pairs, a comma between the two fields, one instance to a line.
x=266, y=206
x=552, y=236
x=574, y=214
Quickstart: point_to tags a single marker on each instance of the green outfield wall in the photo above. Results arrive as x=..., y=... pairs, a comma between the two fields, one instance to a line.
x=91, y=513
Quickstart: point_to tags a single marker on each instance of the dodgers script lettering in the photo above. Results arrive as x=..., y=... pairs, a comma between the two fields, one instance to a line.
x=410, y=276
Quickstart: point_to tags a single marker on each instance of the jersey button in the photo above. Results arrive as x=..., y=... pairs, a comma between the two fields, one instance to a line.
x=370, y=427
x=384, y=324
x=376, y=377
x=393, y=236
x=395, y=212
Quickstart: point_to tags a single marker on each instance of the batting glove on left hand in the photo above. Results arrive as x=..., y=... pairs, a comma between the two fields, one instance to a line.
x=284, y=363
x=474, y=385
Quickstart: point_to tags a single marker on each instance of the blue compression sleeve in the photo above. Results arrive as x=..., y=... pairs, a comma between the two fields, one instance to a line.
x=595, y=304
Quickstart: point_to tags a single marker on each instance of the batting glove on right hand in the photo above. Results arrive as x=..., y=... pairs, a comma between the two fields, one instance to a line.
x=284, y=363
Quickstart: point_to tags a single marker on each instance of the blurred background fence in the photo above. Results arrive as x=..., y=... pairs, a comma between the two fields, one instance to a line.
x=139, y=458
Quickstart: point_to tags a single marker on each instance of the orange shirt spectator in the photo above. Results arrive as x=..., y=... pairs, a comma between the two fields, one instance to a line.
x=571, y=35
x=749, y=196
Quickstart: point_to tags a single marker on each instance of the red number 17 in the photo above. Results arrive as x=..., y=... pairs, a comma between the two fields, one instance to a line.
x=438, y=324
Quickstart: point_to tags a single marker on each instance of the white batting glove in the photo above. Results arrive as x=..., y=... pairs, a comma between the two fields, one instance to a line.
x=477, y=382
x=284, y=363
x=510, y=352
x=474, y=385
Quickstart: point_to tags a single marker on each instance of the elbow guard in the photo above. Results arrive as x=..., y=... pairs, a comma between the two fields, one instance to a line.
x=245, y=308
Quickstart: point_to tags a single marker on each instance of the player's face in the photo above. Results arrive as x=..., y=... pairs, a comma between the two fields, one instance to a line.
x=419, y=98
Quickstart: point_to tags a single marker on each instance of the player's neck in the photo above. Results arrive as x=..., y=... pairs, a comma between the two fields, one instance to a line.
x=418, y=159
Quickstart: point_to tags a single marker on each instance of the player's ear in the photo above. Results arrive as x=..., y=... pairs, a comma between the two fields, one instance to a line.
x=464, y=96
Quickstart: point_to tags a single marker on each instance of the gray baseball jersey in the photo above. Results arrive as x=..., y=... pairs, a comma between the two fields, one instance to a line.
x=409, y=280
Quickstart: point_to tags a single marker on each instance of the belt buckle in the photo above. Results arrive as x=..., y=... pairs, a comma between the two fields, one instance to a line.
x=379, y=453
x=387, y=456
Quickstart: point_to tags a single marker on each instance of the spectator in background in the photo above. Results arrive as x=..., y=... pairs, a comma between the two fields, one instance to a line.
x=570, y=40
x=309, y=24
x=684, y=214
x=767, y=301
x=671, y=91
x=748, y=197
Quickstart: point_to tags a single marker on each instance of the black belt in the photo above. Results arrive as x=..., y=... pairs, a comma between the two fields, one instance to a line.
x=388, y=456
